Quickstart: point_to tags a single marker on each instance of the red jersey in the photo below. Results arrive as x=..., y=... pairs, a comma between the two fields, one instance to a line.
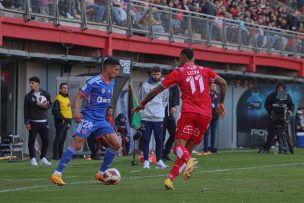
x=194, y=82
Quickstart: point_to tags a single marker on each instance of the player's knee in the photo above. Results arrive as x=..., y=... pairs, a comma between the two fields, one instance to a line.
x=115, y=147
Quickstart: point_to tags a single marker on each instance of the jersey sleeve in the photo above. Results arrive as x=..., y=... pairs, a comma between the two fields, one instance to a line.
x=86, y=89
x=212, y=75
x=170, y=79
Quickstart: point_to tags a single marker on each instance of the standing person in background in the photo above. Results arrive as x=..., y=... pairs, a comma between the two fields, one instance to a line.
x=169, y=121
x=213, y=124
x=63, y=117
x=194, y=82
x=152, y=117
x=109, y=116
x=36, y=104
x=272, y=99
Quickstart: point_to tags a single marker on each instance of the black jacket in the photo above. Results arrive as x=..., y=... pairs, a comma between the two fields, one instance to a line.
x=173, y=99
x=272, y=99
x=214, y=102
x=31, y=110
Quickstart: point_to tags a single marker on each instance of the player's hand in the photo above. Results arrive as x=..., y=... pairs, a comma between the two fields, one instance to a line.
x=28, y=126
x=138, y=108
x=172, y=110
x=43, y=105
x=69, y=126
x=220, y=109
x=77, y=116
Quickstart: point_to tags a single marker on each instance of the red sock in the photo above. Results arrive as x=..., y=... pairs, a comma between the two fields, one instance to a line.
x=177, y=168
x=182, y=153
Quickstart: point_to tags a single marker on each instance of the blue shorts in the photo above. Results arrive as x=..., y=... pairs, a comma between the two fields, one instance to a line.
x=98, y=128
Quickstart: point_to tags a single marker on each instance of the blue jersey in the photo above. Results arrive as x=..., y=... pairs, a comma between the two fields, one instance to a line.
x=99, y=94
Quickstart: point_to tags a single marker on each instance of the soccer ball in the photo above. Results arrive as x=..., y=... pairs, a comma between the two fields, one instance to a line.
x=41, y=99
x=111, y=176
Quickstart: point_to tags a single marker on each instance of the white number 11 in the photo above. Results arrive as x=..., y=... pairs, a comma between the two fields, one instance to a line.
x=192, y=79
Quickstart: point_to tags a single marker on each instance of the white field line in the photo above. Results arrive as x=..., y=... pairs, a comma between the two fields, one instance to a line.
x=31, y=179
x=156, y=176
x=228, y=169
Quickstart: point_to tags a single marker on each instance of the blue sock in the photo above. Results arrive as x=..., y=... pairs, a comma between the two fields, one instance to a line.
x=65, y=159
x=107, y=159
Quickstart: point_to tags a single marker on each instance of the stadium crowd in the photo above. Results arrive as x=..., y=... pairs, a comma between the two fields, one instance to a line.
x=261, y=12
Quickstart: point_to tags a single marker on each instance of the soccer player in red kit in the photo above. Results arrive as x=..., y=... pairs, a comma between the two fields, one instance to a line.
x=196, y=112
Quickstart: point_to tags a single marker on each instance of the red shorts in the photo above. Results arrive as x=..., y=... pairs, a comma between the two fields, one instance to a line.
x=192, y=126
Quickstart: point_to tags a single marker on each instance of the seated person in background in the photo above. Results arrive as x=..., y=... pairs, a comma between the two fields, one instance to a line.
x=123, y=135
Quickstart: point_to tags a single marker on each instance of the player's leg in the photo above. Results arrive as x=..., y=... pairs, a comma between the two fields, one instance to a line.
x=77, y=144
x=83, y=130
x=182, y=135
x=110, y=138
x=199, y=129
x=146, y=129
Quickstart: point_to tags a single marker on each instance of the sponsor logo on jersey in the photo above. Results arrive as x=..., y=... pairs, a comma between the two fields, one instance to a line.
x=103, y=100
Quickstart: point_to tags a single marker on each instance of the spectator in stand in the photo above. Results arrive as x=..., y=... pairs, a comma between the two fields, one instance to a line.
x=209, y=9
x=67, y=8
x=98, y=9
x=119, y=14
x=156, y=25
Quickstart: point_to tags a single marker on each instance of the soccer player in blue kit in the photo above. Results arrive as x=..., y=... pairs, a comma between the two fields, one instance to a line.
x=99, y=90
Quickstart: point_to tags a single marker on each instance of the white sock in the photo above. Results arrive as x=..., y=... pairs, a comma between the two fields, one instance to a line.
x=101, y=173
x=57, y=173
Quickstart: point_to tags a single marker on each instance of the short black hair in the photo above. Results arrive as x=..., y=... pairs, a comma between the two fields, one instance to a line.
x=111, y=61
x=62, y=84
x=281, y=84
x=188, y=53
x=109, y=107
x=35, y=79
x=156, y=69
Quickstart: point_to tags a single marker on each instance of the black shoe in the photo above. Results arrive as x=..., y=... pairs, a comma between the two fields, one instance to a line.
x=167, y=158
x=214, y=150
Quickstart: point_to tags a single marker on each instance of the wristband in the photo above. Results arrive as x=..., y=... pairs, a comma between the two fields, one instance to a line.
x=143, y=103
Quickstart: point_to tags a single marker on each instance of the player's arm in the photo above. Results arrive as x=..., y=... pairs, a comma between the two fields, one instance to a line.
x=149, y=97
x=77, y=114
x=220, y=109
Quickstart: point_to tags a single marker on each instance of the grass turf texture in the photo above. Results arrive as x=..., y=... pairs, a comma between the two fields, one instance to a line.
x=229, y=176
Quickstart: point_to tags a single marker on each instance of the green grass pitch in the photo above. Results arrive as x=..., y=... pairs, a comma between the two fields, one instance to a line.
x=236, y=176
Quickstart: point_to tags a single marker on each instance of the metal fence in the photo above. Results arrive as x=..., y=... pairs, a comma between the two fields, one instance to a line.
x=155, y=21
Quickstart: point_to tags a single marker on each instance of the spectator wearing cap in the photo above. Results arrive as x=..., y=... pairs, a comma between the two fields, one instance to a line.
x=36, y=104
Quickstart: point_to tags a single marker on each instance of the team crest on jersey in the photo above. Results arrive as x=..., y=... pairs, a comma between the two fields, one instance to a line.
x=84, y=131
x=103, y=90
x=188, y=129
